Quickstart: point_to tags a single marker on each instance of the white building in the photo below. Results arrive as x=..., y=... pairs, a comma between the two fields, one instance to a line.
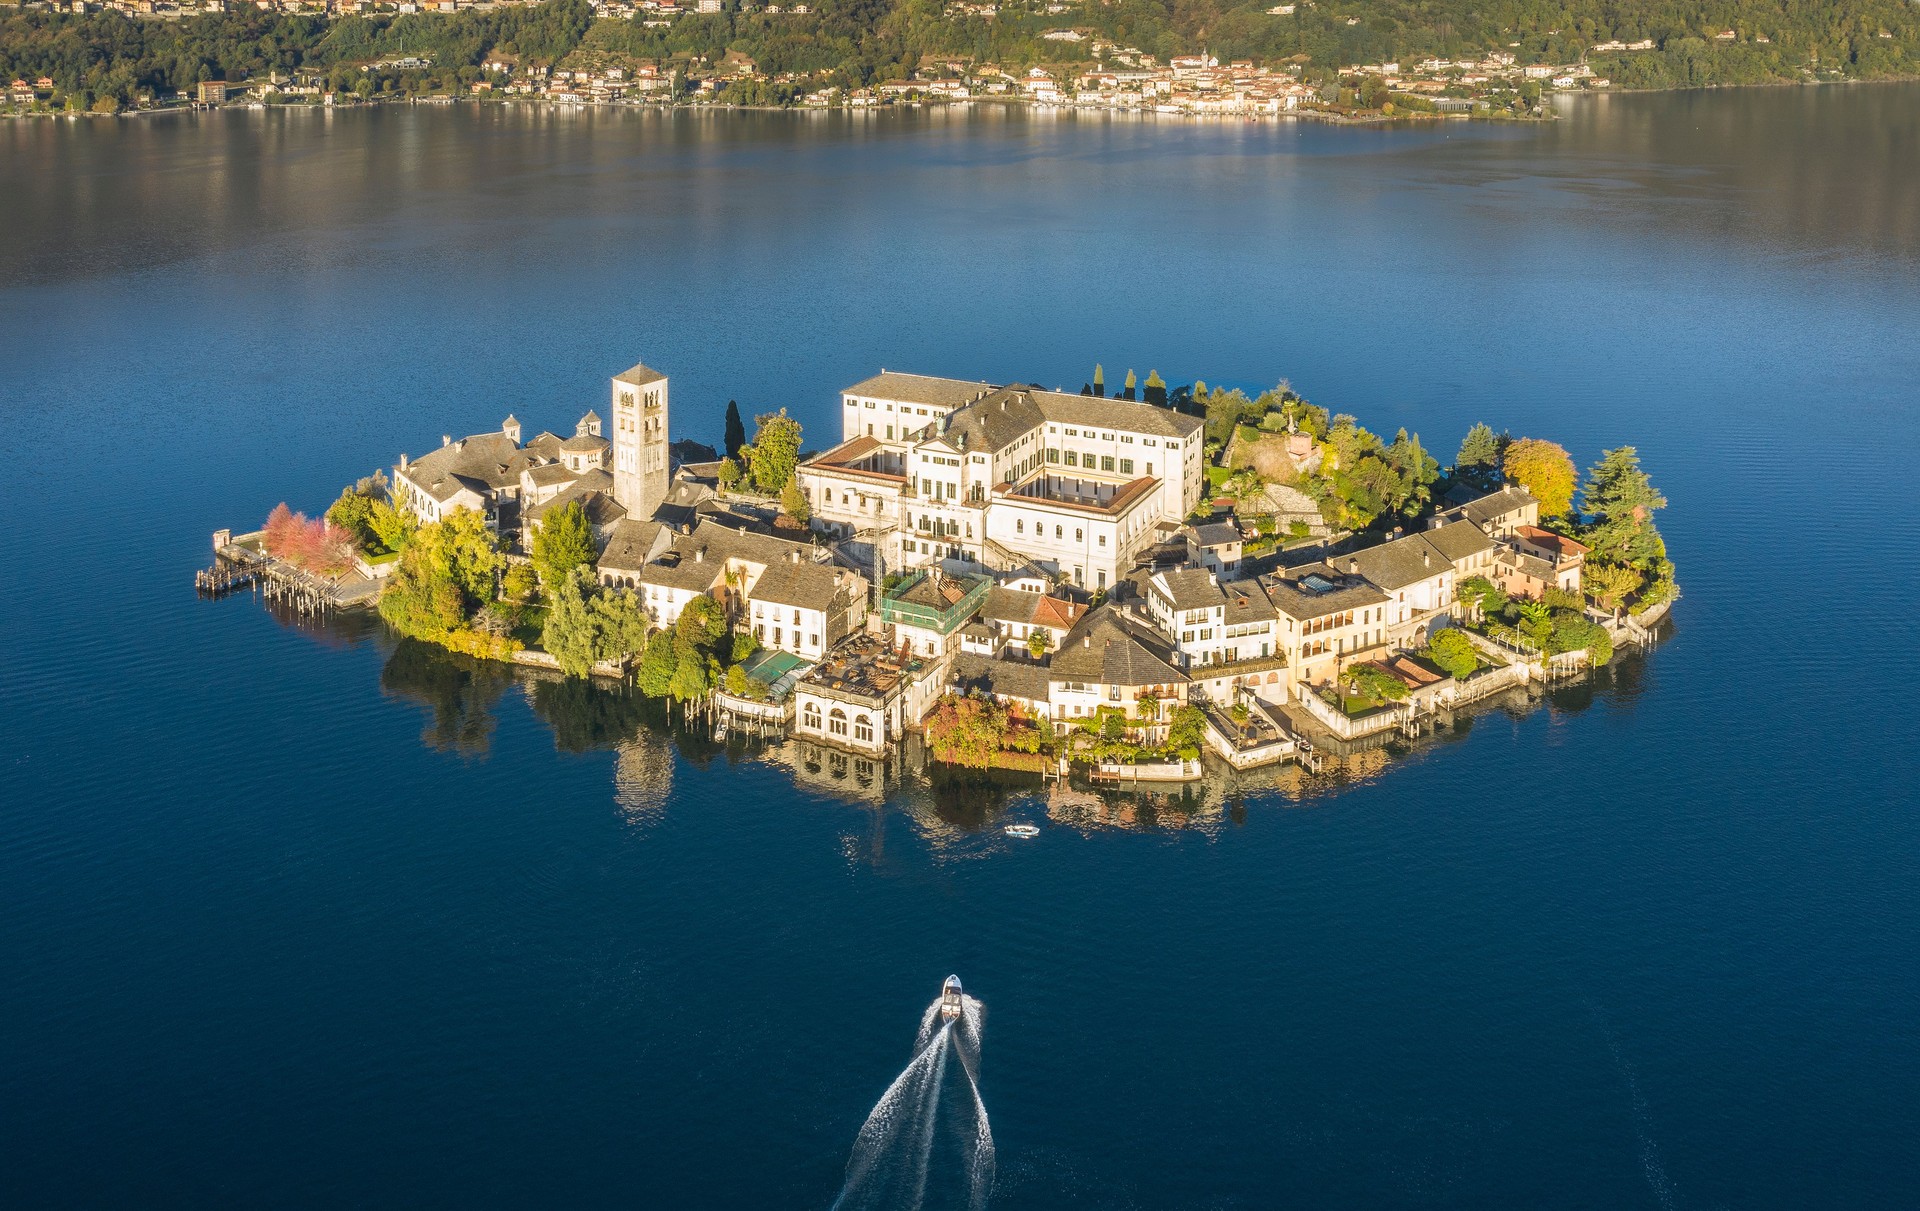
x=943, y=469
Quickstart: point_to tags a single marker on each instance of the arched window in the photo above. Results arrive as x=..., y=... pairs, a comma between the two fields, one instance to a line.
x=863, y=729
x=837, y=722
x=810, y=717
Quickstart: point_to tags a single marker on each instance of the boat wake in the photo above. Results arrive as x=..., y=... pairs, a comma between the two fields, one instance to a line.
x=926, y=1143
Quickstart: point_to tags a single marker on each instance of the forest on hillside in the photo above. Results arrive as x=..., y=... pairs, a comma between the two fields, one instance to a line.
x=107, y=57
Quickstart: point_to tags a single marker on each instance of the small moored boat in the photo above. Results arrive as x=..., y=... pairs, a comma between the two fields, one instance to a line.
x=1021, y=830
x=951, y=1004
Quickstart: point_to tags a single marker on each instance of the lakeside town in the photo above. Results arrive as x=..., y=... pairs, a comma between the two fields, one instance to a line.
x=109, y=57
x=1122, y=79
x=1130, y=586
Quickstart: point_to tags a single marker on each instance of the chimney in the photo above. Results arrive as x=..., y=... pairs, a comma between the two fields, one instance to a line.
x=1353, y=567
x=403, y=460
x=446, y=439
x=1086, y=641
x=1426, y=559
x=793, y=557
x=699, y=555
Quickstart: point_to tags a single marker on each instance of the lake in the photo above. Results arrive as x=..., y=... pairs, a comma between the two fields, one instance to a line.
x=294, y=915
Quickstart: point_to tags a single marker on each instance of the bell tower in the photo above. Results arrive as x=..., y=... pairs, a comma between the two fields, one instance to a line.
x=640, y=440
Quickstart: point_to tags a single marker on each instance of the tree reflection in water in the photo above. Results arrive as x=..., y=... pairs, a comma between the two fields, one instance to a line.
x=457, y=693
x=590, y=715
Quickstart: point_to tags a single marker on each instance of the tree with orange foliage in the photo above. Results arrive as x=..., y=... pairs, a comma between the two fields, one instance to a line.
x=1545, y=469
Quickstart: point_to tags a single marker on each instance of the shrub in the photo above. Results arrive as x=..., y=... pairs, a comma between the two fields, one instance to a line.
x=1453, y=654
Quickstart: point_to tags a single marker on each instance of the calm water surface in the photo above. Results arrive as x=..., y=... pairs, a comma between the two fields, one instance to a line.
x=298, y=917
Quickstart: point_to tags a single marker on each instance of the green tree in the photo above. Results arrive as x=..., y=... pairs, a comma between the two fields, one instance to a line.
x=1479, y=456
x=1186, y=731
x=657, y=664
x=1156, y=391
x=1453, y=654
x=1132, y=382
x=1536, y=622
x=1546, y=470
x=519, y=583
x=571, y=634
x=793, y=502
x=736, y=432
x=562, y=543
x=1038, y=641
x=393, y=527
x=353, y=511
x=1610, y=584
x=729, y=474
x=462, y=550
x=1620, y=500
x=775, y=451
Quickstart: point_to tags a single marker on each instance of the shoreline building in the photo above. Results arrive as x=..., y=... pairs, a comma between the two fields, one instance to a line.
x=931, y=469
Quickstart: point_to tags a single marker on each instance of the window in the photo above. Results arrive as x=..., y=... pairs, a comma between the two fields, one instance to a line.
x=1073, y=460
x=1019, y=526
x=1149, y=468
x=1079, y=535
x=1053, y=455
x=1059, y=532
x=1106, y=462
x=1126, y=466
x=810, y=717
x=863, y=728
x=1103, y=540
x=837, y=722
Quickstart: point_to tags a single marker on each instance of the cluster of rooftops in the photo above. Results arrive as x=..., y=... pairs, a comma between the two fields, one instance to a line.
x=870, y=615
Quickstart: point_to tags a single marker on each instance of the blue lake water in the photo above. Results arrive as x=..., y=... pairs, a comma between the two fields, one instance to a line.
x=292, y=916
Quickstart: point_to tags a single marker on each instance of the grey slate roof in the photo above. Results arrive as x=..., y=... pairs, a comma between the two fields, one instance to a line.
x=1010, y=678
x=1247, y=602
x=585, y=443
x=1215, y=534
x=1460, y=540
x=1488, y=509
x=1106, y=649
x=491, y=460
x=546, y=475
x=919, y=389
x=1404, y=561
x=1189, y=589
x=1107, y=412
x=639, y=376
x=593, y=490
x=994, y=423
x=630, y=544
x=810, y=586
x=1009, y=605
x=1294, y=598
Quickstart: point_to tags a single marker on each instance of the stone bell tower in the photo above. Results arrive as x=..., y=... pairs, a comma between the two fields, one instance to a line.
x=640, y=440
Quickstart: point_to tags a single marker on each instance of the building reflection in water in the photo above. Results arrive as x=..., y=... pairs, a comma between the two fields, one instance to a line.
x=952, y=811
x=643, y=772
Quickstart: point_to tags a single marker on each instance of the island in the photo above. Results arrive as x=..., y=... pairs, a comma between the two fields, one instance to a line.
x=1120, y=587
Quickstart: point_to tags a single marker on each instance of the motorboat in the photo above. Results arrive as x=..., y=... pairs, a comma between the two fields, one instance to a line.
x=1021, y=830
x=952, y=1005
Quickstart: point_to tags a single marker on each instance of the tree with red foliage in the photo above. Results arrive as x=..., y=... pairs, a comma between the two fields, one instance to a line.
x=313, y=544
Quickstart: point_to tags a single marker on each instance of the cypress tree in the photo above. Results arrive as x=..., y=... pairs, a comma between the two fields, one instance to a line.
x=1099, y=379
x=736, y=431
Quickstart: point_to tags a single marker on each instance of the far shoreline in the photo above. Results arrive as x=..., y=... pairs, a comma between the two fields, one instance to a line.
x=1002, y=104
